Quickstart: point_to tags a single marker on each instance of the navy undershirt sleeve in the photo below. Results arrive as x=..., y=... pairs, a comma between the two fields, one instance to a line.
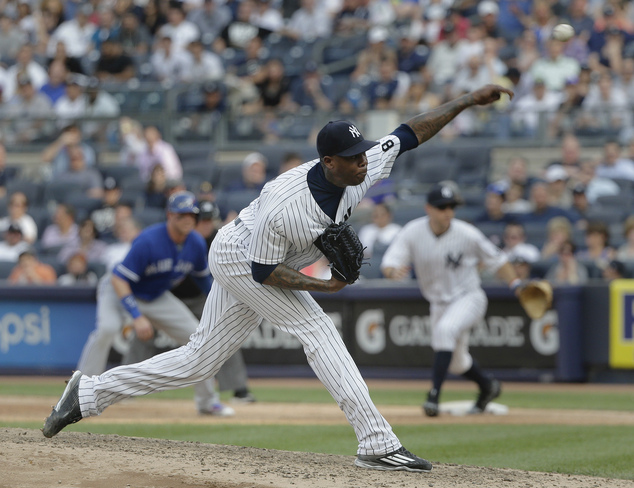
x=407, y=137
x=261, y=272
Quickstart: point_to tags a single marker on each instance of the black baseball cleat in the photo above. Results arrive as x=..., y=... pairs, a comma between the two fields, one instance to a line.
x=486, y=396
x=67, y=410
x=399, y=460
x=430, y=407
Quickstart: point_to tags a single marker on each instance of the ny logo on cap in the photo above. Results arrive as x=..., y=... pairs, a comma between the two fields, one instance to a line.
x=354, y=131
x=446, y=192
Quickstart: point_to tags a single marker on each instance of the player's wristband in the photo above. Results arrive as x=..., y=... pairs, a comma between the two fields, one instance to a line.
x=514, y=284
x=129, y=303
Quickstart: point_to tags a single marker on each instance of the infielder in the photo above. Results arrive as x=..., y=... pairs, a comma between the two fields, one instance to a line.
x=446, y=254
x=255, y=261
x=137, y=291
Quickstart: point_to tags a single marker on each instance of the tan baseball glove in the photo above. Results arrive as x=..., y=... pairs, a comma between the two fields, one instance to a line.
x=536, y=297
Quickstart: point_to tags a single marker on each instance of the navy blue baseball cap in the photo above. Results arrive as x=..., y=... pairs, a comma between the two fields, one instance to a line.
x=182, y=202
x=441, y=195
x=341, y=138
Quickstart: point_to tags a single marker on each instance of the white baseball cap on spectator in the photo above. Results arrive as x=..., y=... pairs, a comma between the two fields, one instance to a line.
x=377, y=34
x=556, y=173
x=488, y=8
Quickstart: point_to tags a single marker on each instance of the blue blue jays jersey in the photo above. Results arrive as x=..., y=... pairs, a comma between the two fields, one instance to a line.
x=156, y=264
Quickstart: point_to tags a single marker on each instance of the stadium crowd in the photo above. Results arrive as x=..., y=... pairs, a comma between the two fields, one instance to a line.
x=261, y=63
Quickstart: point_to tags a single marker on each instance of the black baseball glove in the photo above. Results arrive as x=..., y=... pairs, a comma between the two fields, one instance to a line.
x=344, y=250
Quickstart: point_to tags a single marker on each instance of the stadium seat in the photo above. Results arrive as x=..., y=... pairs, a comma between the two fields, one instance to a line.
x=119, y=173
x=60, y=191
x=149, y=216
x=5, y=269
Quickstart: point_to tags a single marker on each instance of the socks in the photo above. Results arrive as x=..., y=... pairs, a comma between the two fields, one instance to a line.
x=439, y=372
x=476, y=374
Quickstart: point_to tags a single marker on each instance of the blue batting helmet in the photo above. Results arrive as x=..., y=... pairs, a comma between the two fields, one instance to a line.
x=183, y=202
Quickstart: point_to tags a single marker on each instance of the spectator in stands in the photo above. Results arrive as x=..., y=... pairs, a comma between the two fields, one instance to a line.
x=559, y=230
x=100, y=103
x=77, y=272
x=153, y=16
x=126, y=231
x=419, y=98
x=522, y=266
x=267, y=17
x=474, y=73
x=410, y=54
x=515, y=244
x=63, y=230
x=134, y=36
x=626, y=250
x=289, y=161
x=615, y=270
x=579, y=19
x=253, y=174
x=597, y=242
x=377, y=236
x=24, y=67
x=73, y=104
x=612, y=165
x=18, y=215
x=493, y=201
x=567, y=270
x=377, y=50
x=203, y=65
x=30, y=271
x=444, y=60
x=167, y=63
x=57, y=154
x=596, y=186
x=29, y=112
x=489, y=11
x=570, y=150
x=55, y=87
x=605, y=109
x=7, y=174
x=75, y=34
x=11, y=38
x=155, y=191
x=514, y=201
x=114, y=64
x=211, y=18
x=73, y=65
x=274, y=87
x=88, y=244
x=580, y=205
x=535, y=109
x=161, y=152
x=312, y=91
x=543, y=211
x=558, y=193
x=555, y=68
x=352, y=19
x=567, y=115
x=308, y=23
x=103, y=217
x=390, y=86
x=88, y=179
x=13, y=244
x=178, y=28
x=108, y=27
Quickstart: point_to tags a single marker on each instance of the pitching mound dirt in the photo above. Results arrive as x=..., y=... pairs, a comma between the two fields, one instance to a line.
x=72, y=459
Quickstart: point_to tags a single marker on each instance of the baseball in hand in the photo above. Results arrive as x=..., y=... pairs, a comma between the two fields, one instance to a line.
x=563, y=32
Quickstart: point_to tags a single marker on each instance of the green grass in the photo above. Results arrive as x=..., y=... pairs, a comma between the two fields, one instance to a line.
x=621, y=401
x=603, y=451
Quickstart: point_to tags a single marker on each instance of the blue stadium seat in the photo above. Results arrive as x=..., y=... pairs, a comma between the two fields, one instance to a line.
x=31, y=189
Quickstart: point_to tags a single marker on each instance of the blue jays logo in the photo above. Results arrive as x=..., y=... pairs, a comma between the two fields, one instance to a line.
x=453, y=262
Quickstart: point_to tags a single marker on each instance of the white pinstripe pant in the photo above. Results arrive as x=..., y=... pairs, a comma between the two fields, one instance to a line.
x=234, y=308
x=451, y=323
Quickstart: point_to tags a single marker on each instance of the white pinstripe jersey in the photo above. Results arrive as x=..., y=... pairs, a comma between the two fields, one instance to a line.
x=285, y=219
x=446, y=266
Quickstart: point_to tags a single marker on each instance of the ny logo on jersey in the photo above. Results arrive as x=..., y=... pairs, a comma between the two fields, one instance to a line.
x=354, y=131
x=453, y=262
